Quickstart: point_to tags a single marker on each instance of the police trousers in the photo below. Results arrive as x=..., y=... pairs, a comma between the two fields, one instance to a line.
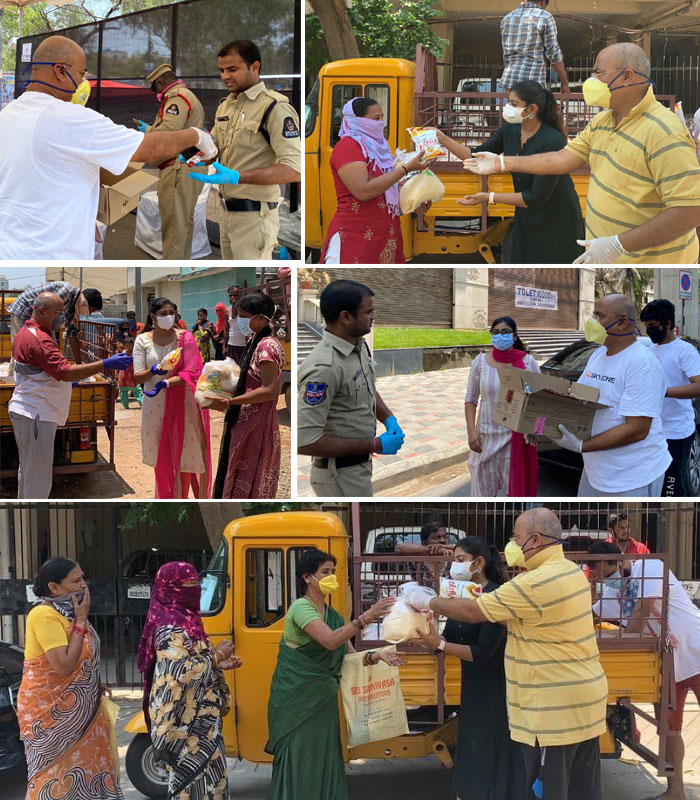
x=249, y=235
x=354, y=481
x=177, y=198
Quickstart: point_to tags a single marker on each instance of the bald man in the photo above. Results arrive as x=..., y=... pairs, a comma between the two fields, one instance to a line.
x=556, y=689
x=643, y=202
x=41, y=398
x=52, y=151
x=627, y=453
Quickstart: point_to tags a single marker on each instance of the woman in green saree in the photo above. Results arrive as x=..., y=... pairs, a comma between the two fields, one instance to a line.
x=303, y=717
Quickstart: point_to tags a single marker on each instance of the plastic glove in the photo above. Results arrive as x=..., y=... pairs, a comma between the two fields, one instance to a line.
x=155, y=371
x=605, y=250
x=118, y=361
x=141, y=125
x=568, y=441
x=222, y=175
x=156, y=389
x=391, y=443
x=483, y=163
x=416, y=596
x=75, y=383
x=392, y=426
x=205, y=143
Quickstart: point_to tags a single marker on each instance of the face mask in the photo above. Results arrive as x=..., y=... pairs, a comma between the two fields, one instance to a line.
x=58, y=322
x=82, y=94
x=328, y=584
x=598, y=93
x=161, y=95
x=657, y=335
x=513, y=114
x=461, y=571
x=502, y=341
x=244, y=325
x=614, y=581
x=166, y=323
x=514, y=554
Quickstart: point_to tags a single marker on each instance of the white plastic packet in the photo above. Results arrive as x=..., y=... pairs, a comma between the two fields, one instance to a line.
x=217, y=381
x=425, y=139
x=401, y=622
x=459, y=589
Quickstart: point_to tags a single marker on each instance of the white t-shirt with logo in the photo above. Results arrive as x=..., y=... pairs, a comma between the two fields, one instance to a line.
x=51, y=153
x=680, y=361
x=633, y=384
x=683, y=615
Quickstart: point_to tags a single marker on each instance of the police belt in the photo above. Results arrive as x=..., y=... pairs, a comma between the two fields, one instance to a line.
x=345, y=461
x=241, y=204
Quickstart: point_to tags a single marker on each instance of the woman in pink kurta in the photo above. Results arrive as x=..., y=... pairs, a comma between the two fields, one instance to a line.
x=249, y=460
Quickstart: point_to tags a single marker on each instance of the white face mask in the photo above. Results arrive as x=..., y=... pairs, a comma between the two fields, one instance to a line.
x=461, y=570
x=513, y=114
x=166, y=323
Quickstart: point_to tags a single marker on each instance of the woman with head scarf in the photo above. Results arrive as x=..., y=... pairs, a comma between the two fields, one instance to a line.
x=221, y=331
x=185, y=693
x=62, y=724
x=366, y=228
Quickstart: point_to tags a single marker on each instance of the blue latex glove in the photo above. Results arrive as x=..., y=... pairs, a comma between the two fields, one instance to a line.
x=223, y=175
x=156, y=389
x=392, y=426
x=391, y=443
x=74, y=384
x=141, y=125
x=118, y=361
x=155, y=371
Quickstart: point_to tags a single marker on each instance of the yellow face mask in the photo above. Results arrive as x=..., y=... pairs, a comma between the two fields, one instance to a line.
x=514, y=554
x=328, y=584
x=595, y=332
x=82, y=94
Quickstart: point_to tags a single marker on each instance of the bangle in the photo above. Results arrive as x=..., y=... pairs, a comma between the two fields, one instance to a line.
x=403, y=166
x=492, y=196
x=82, y=632
x=367, y=659
x=441, y=645
x=503, y=163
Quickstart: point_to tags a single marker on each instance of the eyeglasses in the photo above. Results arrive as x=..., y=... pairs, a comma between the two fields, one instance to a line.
x=505, y=331
x=81, y=72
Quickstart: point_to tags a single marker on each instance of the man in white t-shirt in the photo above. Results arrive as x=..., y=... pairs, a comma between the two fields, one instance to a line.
x=627, y=453
x=52, y=150
x=680, y=362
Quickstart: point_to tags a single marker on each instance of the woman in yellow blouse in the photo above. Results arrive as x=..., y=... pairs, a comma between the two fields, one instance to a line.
x=62, y=724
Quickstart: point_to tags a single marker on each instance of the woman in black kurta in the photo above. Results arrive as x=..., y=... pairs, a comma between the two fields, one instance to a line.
x=488, y=765
x=548, y=218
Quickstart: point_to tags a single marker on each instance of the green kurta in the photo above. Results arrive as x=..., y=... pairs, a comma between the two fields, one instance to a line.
x=546, y=231
x=304, y=722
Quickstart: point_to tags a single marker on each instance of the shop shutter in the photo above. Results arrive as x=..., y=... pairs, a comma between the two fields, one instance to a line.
x=564, y=281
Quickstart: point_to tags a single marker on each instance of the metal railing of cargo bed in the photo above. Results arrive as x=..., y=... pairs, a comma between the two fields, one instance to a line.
x=379, y=574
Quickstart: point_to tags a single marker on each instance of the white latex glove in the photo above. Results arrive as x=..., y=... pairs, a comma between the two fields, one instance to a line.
x=605, y=250
x=205, y=143
x=417, y=596
x=568, y=441
x=483, y=163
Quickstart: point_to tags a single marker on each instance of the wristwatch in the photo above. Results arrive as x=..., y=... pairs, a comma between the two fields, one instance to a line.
x=441, y=645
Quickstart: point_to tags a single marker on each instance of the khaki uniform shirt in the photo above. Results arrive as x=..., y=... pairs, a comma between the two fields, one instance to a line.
x=242, y=146
x=175, y=114
x=337, y=392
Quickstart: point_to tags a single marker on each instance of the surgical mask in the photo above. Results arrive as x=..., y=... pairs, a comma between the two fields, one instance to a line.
x=82, y=94
x=514, y=554
x=462, y=570
x=502, y=341
x=244, y=325
x=328, y=584
x=598, y=93
x=161, y=95
x=657, y=335
x=614, y=581
x=58, y=322
x=513, y=114
x=166, y=323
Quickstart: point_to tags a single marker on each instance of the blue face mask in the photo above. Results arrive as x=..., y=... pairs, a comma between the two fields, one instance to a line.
x=502, y=341
x=614, y=581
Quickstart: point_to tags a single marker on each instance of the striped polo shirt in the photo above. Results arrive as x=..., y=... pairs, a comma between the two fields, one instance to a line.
x=639, y=167
x=556, y=688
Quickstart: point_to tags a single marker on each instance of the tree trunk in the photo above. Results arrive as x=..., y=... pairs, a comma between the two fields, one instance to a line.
x=216, y=516
x=337, y=28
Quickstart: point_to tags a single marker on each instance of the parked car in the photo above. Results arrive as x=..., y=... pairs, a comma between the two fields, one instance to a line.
x=569, y=363
x=11, y=749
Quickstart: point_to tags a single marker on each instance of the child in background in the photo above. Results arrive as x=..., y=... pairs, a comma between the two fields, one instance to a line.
x=127, y=381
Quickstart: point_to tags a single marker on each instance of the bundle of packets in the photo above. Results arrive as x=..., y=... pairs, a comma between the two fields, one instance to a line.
x=217, y=381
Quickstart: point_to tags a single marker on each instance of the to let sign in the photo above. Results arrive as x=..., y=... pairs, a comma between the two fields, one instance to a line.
x=530, y=297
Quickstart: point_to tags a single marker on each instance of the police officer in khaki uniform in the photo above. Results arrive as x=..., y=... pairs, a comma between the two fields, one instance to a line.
x=177, y=196
x=338, y=404
x=257, y=133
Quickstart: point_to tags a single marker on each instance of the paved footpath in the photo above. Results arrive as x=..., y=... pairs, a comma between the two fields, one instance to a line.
x=430, y=408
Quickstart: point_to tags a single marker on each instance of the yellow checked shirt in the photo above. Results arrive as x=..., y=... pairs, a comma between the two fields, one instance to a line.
x=337, y=392
x=556, y=688
x=640, y=167
x=242, y=146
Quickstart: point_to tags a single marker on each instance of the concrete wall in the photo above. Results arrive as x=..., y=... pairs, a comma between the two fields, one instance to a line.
x=667, y=285
x=409, y=360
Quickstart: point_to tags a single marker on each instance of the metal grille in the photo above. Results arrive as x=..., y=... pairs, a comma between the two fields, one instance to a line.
x=120, y=566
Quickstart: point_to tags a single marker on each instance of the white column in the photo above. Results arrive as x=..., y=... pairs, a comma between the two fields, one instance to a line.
x=586, y=294
x=470, y=296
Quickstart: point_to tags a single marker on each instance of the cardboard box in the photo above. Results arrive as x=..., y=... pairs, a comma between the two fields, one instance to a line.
x=119, y=194
x=529, y=402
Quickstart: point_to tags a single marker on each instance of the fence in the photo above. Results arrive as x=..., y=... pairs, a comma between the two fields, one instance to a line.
x=119, y=564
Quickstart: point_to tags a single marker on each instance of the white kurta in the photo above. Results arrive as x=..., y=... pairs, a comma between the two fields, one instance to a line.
x=489, y=469
x=146, y=354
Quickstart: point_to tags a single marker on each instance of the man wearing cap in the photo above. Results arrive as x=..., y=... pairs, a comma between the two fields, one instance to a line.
x=177, y=197
x=257, y=131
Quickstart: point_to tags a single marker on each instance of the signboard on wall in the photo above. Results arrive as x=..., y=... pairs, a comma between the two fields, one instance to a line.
x=530, y=297
x=685, y=285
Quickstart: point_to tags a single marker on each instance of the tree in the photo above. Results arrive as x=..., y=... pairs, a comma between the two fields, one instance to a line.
x=381, y=29
x=340, y=38
x=633, y=282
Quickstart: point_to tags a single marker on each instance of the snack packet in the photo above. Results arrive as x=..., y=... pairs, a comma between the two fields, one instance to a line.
x=401, y=622
x=426, y=140
x=171, y=360
x=217, y=381
x=459, y=589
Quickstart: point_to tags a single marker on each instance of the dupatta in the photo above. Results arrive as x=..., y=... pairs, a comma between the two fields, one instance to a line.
x=168, y=475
